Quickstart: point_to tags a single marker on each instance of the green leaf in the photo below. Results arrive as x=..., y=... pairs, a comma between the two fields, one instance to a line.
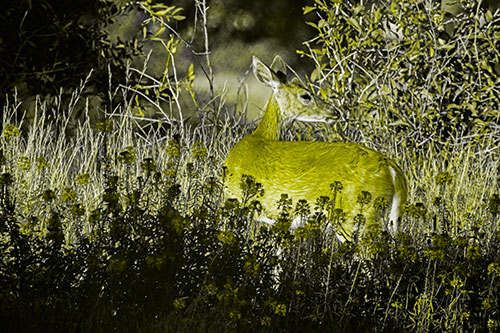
x=453, y=106
x=399, y=122
x=354, y=23
x=358, y=9
x=394, y=8
x=162, y=12
x=377, y=15
x=489, y=15
x=312, y=25
x=317, y=51
x=160, y=31
x=308, y=9
x=315, y=74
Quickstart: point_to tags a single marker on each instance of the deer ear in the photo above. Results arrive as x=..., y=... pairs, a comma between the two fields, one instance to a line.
x=278, y=65
x=264, y=74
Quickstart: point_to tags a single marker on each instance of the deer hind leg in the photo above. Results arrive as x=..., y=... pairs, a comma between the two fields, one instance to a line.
x=396, y=201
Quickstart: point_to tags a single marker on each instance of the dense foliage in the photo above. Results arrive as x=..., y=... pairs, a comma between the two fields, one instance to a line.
x=49, y=45
x=194, y=262
x=115, y=230
x=409, y=66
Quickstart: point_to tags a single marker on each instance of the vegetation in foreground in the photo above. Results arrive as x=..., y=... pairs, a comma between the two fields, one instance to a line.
x=126, y=229
x=151, y=254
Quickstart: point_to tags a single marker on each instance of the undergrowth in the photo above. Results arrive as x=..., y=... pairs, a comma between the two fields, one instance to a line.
x=106, y=232
x=126, y=228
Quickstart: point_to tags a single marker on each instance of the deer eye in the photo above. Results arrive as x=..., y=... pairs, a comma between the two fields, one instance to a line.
x=305, y=98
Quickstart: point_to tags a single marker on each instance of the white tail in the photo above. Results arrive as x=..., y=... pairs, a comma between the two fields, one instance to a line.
x=305, y=170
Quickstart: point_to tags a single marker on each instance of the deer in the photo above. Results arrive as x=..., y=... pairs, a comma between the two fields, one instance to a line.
x=305, y=170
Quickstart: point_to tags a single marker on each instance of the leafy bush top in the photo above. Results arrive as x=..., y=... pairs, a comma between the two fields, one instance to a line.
x=408, y=65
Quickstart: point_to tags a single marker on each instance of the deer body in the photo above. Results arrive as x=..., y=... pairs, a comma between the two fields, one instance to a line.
x=305, y=169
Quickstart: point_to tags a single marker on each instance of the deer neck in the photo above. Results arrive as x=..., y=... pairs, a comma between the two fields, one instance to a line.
x=269, y=127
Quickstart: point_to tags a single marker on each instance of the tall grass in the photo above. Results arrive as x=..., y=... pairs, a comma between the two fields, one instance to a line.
x=125, y=227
